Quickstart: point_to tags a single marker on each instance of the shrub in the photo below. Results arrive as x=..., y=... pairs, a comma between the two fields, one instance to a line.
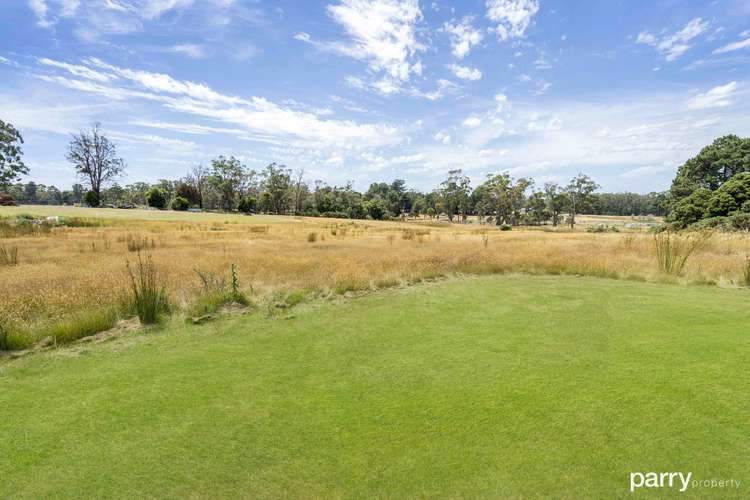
x=247, y=205
x=376, y=209
x=505, y=227
x=602, y=228
x=149, y=299
x=7, y=200
x=8, y=256
x=156, y=198
x=335, y=215
x=180, y=204
x=91, y=199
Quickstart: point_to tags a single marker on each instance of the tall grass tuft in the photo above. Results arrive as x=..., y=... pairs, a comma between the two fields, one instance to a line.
x=673, y=251
x=746, y=272
x=149, y=295
x=8, y=256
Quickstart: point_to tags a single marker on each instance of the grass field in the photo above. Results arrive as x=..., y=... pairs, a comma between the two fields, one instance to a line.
x=511, y=386
x=72, y=276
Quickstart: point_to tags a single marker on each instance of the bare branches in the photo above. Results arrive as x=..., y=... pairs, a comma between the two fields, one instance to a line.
x=95, y=158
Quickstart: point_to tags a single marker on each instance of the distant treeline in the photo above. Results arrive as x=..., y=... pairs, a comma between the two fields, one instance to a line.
x=629, y=204
x=228, y=185
x=275, y=191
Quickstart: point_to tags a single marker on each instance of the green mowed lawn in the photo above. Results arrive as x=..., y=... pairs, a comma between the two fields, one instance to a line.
x=481, y=387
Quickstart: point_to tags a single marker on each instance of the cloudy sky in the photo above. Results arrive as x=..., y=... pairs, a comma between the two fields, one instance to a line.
x=365, y=90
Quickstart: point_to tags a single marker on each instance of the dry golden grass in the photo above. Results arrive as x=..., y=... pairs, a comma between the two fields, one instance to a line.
x=70, y=270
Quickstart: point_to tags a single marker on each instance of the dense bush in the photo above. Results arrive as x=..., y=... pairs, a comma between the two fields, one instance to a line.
x=91, y=199
x=7, y=201
x=248, y=205
x=180, y=204
x=156, y=198
x=376, y=209
x=335, y=215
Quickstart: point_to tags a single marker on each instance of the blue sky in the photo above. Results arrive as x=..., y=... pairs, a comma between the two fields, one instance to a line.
x=367, y=90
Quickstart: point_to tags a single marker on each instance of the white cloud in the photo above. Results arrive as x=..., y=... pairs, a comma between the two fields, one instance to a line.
x=442, y=137
x=40, y=9
x=513, y=17
x=189, y=49
x=465, y=72
x=258, y=118
x=502, y=101
x=78, y=70
x=186, y=128
x=472, y=122
x=717, y=97
x=444, y=88
x=463, y=36
x=674, y=45
x=383, y=33
x=646, y=171
x=742, y=44
x=93, y=19
x=152, y=9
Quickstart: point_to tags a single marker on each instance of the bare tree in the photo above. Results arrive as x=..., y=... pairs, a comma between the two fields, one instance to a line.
x=199, y=178
x=299, y=191
x=95, y=158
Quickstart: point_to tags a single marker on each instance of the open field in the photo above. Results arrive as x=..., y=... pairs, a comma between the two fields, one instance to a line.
x=496, y=386
x=66, y=271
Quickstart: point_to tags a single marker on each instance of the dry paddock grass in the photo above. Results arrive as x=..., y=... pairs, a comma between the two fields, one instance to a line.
x=76, y=269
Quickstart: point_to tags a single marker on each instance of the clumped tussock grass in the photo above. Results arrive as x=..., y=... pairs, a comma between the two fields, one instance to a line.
x=8, y=255
x=149, y=297
x=673, y=251
x=312, y=237
x=82, y=324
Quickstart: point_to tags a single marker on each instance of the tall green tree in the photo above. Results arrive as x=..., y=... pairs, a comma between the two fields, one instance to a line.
x=277, y=182
x=555, y=200
x=579, y=191
x=228, y=178
x=454, y=194
x=712, y=166
x=11, y=162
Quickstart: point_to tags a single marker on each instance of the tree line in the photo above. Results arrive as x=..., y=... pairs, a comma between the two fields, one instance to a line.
x=227, y=184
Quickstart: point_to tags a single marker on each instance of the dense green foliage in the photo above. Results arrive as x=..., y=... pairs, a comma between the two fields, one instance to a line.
x=547, y=387
x=713, y=188
x=180, y=204
x=11, y=155
x=156, y=198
